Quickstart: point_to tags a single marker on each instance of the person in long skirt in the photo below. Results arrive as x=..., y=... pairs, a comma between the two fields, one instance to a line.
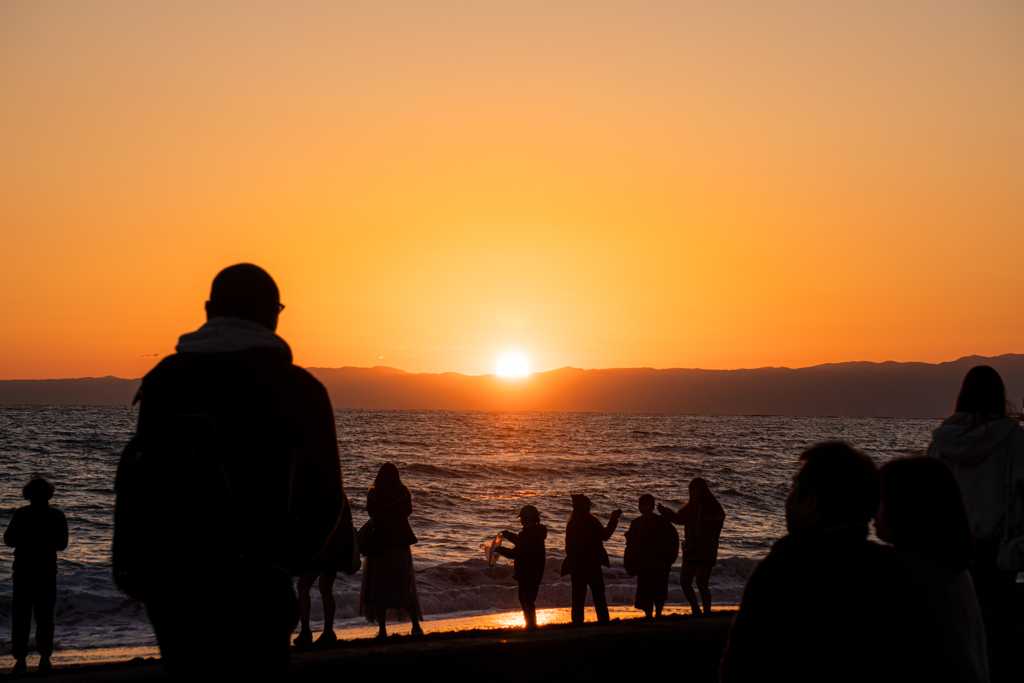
x=389, y=582
x=702, y=518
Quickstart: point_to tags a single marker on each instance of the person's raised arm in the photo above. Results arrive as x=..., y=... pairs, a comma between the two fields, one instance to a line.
x=670, y=514
x=613, y=522
x=510, y=535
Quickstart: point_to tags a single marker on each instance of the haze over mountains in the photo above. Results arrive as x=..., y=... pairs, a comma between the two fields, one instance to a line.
x=858, y=389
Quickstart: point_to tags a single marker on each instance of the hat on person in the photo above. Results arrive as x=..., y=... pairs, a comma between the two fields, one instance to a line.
x=579, y=500
x=529, y=512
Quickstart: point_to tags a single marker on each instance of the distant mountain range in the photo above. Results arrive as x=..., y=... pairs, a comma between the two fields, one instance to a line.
x=859, y=389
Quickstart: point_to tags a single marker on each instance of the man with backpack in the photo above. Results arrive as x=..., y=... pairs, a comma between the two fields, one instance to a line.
x=231, y=485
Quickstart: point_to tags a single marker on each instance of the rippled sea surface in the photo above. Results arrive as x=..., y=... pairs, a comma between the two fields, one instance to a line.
x=470, y=472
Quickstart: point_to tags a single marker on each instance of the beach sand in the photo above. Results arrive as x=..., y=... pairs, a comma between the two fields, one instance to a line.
x=495, y=645
x=555, y=650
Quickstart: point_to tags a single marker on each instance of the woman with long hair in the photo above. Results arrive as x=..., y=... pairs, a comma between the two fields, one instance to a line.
x=389, y=581
x=702, y=518
x=922, y=515
x=985, y=447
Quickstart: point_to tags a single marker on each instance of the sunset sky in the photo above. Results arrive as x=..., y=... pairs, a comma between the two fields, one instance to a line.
x=434, y=185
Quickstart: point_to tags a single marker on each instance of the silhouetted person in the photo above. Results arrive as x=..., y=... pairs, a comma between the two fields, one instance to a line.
x=702, y=518
x=389, y=580
x=584, y=556
x=922, y=516
x=323, y=571
x=36, y=532
x=232, y=612
x=826, y=604
x=528, y=558
x=652, y=546
x=979, y=440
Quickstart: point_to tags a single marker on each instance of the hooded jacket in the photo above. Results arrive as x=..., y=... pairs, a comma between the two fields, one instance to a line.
x=978, y=452
x=584, y=542
x=275, y=428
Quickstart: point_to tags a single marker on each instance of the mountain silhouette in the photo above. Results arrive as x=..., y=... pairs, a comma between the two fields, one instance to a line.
x=858, y=389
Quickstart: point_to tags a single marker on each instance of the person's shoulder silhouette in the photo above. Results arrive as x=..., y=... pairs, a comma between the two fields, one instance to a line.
x=270, y=430
x=826, y=603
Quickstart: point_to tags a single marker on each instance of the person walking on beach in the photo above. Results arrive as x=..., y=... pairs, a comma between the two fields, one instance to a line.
x=985, y=449
x=652, y=545
x=702, y=518
x=389, y=580
x=217, y=585
x=826, y=604
x=37, y=532
x=528, y=559
x=584, y=556
x=922, y=515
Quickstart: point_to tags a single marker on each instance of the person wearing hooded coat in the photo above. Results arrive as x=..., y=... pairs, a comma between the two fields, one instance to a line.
x=584, y=556
x=979, y=441
x=528, y=560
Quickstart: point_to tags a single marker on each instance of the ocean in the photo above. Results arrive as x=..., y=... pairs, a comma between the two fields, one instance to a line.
x=469, y=472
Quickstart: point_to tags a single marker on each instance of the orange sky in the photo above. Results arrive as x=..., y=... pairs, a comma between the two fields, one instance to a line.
x=596, y=184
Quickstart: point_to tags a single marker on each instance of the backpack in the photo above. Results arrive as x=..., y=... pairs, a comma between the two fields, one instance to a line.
x=174, y=508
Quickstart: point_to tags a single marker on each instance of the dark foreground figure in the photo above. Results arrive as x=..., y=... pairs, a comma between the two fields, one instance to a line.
x=36, y=532
x=826, y=604
x=922, y=516
x=528, y=560
x=214, y=566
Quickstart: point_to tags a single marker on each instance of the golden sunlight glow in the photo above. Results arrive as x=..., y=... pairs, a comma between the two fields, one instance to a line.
x=513, y=366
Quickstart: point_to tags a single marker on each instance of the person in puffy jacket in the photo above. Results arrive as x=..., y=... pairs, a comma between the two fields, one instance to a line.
x=985, y=447
x=528, y=559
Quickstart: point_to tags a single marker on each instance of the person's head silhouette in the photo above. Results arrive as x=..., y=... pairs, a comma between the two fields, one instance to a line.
x=38, y=491
x=982, y=393
x=836, y=484
x=245, y=291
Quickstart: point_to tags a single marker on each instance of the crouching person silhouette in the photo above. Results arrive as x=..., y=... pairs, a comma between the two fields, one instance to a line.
x=231, y=485
x=528, y=559
x=36, y=532
x=826, y=604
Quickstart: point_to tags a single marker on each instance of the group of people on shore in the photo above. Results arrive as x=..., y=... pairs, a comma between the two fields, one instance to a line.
x=652, y=546
x=236, y=458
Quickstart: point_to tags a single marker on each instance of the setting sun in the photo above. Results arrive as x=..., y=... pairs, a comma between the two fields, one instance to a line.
x=513, y=366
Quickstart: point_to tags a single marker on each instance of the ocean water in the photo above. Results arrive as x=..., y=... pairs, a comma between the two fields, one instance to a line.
x=469, y=472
